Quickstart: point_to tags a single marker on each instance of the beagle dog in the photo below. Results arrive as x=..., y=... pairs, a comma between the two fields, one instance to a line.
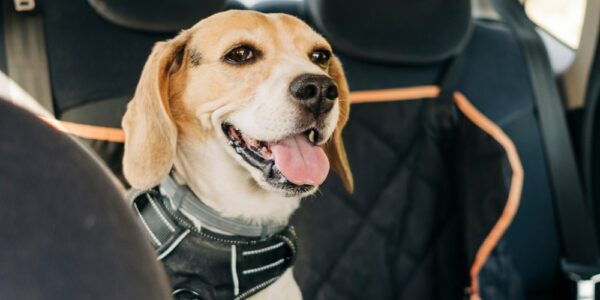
x=246, y=109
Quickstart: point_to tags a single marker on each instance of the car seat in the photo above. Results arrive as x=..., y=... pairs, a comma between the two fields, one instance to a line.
x=391, y=51
x=66, y=230
x=405, y=45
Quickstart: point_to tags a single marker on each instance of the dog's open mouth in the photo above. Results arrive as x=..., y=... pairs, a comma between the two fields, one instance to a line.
x=294, y=163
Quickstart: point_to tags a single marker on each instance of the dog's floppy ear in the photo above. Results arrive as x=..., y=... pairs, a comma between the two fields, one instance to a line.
x=150, y=133
x=334, y=148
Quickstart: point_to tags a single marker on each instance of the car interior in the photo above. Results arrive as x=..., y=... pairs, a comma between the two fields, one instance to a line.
x=475, y=175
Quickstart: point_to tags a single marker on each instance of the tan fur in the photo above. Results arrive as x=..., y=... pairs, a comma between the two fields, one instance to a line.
x=335, y=147
x=186, y=91
x=149, y=130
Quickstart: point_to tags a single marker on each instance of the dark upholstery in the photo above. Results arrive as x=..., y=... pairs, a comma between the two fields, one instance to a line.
x=496, y=81
x=295, y=8
x=156, y=15
x=66, y=230
x=91, y=59
x=501, y=90
x=590, y=143
x=94, y=68
x=423, y=31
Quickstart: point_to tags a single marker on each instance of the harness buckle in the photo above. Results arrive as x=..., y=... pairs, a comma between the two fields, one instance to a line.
x=585, y=276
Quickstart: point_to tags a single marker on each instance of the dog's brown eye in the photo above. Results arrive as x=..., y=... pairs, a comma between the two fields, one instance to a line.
x=320, y=57
x=241, y=55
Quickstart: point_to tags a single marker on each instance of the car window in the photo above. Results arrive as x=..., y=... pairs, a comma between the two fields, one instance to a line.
x=563, y=19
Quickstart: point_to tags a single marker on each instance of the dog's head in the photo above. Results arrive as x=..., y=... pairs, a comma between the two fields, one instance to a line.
x=265, y=88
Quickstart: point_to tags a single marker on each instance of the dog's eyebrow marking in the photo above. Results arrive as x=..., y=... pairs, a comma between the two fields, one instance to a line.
x=195, y=57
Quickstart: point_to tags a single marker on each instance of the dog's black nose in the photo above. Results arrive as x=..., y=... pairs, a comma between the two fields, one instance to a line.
x=316, y=93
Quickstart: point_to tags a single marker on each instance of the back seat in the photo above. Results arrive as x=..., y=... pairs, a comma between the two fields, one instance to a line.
x=95, y=65
x=497, y=83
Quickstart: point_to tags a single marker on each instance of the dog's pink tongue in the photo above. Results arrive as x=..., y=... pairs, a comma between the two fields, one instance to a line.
x=299, y=161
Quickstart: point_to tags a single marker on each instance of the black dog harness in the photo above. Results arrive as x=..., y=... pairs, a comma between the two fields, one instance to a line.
x=203, y=264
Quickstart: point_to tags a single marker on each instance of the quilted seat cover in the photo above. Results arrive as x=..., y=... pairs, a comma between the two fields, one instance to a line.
x=425, y=201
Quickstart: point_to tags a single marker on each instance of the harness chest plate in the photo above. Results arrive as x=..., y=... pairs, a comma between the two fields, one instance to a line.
x=203, y=264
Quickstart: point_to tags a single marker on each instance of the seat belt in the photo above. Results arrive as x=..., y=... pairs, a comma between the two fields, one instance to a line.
x=27, y=63
x=579, y=237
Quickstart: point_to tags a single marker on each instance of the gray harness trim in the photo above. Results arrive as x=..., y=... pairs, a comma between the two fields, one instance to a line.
x=181, y=198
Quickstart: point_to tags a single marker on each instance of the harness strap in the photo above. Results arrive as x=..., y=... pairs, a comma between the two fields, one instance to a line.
x=164, y=233
x=206, y=265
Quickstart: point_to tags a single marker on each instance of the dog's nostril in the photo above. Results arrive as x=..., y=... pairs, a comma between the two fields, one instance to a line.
x=316, y=94
x=331, y=92
x=309, y=91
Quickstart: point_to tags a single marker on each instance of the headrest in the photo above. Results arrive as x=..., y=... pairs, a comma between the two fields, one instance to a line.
x=290, y=7
x=66, y=219
x=156, y=15
x=400, y=31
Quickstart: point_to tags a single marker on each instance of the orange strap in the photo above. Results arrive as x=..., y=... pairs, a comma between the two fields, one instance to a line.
x=369, y=96
x=397, y=94
x=514, y=194
x=88, y=131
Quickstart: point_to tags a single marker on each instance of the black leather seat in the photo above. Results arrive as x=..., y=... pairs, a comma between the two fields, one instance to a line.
x=66, y=230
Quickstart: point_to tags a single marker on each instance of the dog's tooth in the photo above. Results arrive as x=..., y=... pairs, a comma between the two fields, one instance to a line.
x=311, y=136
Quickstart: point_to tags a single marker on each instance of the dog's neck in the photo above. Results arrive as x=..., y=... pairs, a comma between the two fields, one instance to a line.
x=226, y=186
